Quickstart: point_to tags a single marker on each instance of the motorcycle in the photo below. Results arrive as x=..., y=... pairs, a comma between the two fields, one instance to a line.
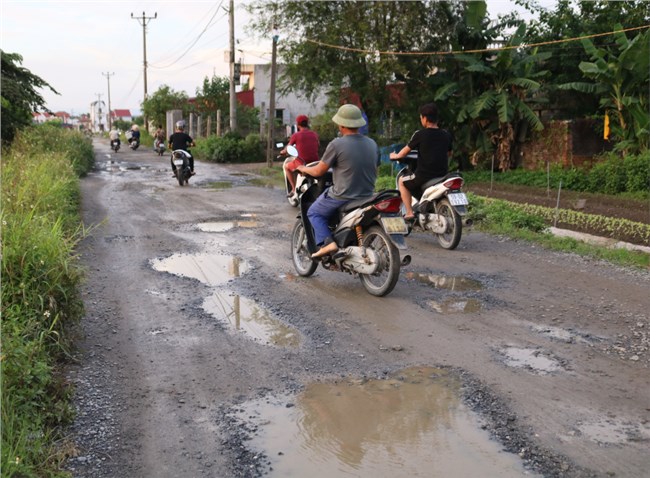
x=182, y=163
x=369, y=233
x=442, y=207
x=134, y=141
x=115, y=145
x=159, y=148
x=301, y=181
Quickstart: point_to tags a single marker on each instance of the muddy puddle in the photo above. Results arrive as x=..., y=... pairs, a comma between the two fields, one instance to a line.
x=114, y=165
x=211, y=269
x=454, y=283
x=456, y=306
x=223, y=226
x=246, y=316
x=411, y=424
x=531, y=359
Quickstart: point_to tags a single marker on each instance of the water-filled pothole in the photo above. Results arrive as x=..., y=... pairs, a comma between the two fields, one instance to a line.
x=531, y=359
x=211, y=269
x=453, y=305
x=455, y=283
x=412, y=424
x=245, y=315
x=225, y=225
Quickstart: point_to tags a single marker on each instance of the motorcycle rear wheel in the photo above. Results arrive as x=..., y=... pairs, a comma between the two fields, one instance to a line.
x=451, y=237
x=179, y=176
x=384, y=280
x=300, y=255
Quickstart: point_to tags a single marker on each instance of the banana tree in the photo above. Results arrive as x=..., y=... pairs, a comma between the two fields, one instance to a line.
x=620, y=78
x=499, y=112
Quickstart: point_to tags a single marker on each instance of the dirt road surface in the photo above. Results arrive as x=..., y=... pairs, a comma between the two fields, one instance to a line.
x=202, y=354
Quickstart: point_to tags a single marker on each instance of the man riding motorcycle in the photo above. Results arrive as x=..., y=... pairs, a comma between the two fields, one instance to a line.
x=181, y=140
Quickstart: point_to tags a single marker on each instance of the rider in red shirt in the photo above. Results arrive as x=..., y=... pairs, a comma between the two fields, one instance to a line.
x=306, y=142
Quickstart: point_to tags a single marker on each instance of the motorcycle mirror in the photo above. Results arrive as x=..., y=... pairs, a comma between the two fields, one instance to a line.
x=292, y=151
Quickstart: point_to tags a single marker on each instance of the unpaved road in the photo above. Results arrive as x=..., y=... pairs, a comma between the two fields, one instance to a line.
x=550, y=350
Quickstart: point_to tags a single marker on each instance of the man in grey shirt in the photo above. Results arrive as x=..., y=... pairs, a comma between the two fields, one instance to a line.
x=353, y=159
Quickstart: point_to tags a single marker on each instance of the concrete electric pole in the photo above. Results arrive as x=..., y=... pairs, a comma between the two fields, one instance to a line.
x=271, y=130
x=233, y=96
x=143, y=21
x=108, y=79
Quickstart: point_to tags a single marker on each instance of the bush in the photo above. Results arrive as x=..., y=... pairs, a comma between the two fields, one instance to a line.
x=230, y=148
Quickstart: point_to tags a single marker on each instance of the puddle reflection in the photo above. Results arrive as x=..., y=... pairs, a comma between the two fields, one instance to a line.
x=245, y=315
x=413, y=424
x=530, y=358
x=211, y=269
x=456, y=283
x=225, y=226
x=456, y=306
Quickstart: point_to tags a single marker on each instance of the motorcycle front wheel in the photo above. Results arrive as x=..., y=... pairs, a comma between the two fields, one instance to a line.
x=302, y=261
x=451, y=237
x=384, y=279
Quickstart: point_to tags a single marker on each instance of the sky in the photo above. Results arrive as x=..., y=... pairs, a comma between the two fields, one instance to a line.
x=74, y=45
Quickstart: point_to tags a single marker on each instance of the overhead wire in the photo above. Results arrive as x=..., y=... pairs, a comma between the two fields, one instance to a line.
x=482, y=50
x=208, y=25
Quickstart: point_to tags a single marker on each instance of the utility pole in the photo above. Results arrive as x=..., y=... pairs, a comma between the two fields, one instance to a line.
x=233, y=97
x=143, y=21
x=269, y=144
x=108, y=79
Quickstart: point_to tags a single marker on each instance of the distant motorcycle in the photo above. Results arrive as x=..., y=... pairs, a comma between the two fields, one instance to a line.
x=301, y=180
x=441, y=208
x=182, y=163
x=160, y=148
x=369, y=233
x=115, y=145
x=134, y=141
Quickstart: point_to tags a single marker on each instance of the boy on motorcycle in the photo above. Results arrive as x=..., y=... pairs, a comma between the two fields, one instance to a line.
x=306, y=142
x=181, y=140
x=434, y=147
x=114, y=136
x=353, y=159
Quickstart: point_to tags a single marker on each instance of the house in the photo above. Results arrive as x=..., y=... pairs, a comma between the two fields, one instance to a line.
x=122, y=115
x=98, y=116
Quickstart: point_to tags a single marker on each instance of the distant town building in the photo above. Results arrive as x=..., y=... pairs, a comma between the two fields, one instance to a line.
x=124, y=115
x=98, y=119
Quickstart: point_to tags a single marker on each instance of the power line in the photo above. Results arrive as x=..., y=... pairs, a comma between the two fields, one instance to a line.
x=194, y=42
x=459, y=52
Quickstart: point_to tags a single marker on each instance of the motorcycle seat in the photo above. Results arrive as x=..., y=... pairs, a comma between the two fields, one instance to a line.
x=434, y=181
x=356, y=203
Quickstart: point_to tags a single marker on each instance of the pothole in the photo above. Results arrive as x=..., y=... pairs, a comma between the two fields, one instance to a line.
x=225, y=225
x=455, y=283
x=613, y=431
x=245, y=315
x=456, y=306
x=531, y=359
x=411, y=424
x=211, y=269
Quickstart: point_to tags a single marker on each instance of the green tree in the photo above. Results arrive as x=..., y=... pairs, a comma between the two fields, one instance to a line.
x=621, y=81
x=19, y=95
x=212, y=96
x=155, y=107
x=343, y=46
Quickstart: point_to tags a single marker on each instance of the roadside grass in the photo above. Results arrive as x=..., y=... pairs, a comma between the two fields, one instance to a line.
x=40, y=296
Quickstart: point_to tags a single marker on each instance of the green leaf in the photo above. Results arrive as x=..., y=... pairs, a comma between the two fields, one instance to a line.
x=504, y=108
x=445, y=92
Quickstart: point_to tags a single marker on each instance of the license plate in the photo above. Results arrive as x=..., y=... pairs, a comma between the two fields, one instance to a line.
x=394, y=225
x=178, y=162
x=458, y=199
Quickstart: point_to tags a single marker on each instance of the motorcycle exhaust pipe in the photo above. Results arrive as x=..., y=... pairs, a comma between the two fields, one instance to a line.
x=406, y=260
x=467, y=222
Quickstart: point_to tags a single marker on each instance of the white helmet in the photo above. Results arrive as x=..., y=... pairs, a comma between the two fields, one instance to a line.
x=180, y=124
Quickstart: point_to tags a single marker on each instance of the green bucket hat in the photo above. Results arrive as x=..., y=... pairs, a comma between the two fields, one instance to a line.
x=349, y=116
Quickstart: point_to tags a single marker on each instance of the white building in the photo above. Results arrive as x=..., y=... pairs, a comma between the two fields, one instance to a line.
x=98, y=119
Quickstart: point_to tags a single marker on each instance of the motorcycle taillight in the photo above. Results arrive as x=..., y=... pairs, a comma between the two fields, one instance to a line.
x=389, y=205
x=453, y=183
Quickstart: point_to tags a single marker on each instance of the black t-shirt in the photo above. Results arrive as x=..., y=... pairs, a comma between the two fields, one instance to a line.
x=180, y=140
x=433, y=146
